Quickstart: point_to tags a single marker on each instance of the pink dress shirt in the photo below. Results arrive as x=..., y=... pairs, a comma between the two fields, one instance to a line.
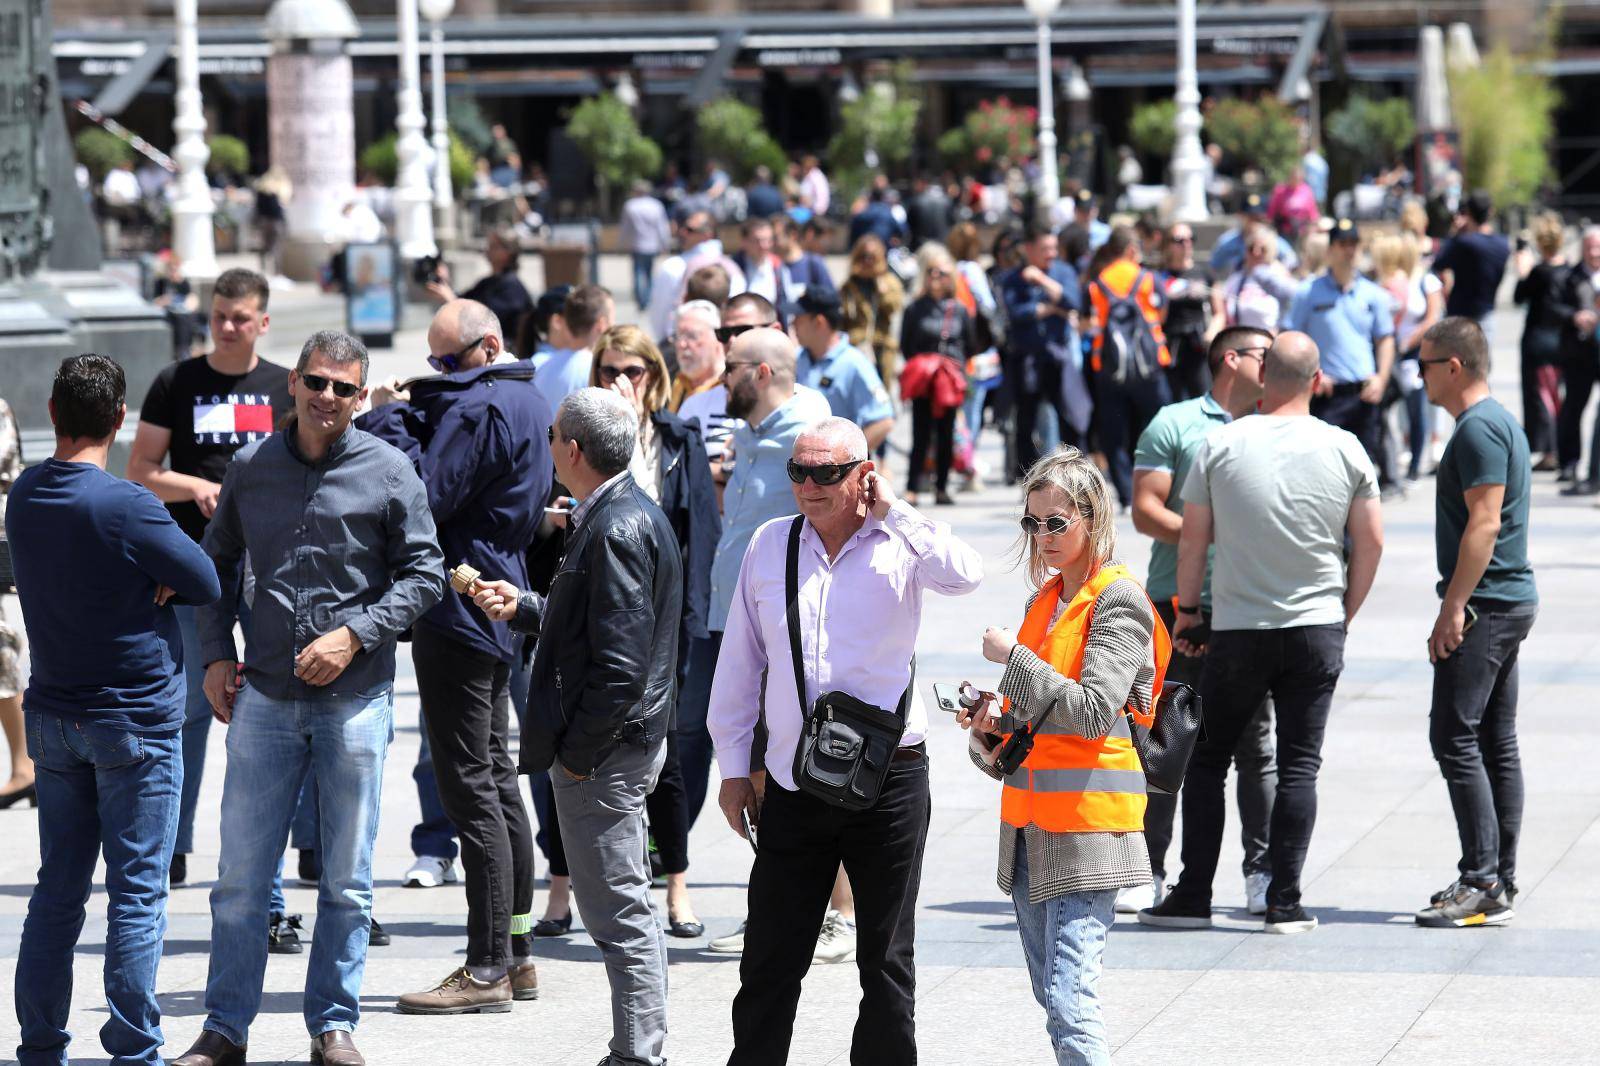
x=859, y=616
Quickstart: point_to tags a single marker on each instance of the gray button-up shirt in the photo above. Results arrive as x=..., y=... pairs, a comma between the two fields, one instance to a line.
x=348, y=541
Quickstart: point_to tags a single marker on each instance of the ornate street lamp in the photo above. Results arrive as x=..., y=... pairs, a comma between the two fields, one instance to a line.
x=1049, y=177
x=193, y=239
x=1188, y=158
x=436, y=11
x=413, y=198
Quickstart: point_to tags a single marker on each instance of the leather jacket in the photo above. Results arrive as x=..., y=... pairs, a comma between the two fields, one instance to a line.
x=605, y=664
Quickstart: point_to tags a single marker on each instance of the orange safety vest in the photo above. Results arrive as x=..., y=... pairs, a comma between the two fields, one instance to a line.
x=1125, y=278
x=1073, y=784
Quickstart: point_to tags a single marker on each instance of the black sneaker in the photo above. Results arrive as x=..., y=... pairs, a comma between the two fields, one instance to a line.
x=310, y=868
x=283, y=935
x=376, y=936
x=1510, y=892
x=178, y=869
x=1175, y=912
x=1288, y=920
x=1464, y=904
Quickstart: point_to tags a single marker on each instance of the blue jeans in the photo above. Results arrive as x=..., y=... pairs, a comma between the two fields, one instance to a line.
x=643, y=264
x=1064, y=939
x=303, y=836
x=196, y=721
x=100, y=788
x=343, y=740
x=434, y=835
x=972, y=406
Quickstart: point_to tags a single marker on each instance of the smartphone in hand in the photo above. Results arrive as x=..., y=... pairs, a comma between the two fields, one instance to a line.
x=749, y=830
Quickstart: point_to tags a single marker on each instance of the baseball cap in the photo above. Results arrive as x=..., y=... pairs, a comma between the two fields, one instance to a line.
x=1344, y=229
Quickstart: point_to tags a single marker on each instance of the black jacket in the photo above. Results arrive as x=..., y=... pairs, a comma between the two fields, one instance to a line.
x=605, y=666
x=1573, y=295
x=689, y=500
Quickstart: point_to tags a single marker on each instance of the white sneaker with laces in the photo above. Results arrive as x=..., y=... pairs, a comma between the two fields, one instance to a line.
x=431, y=871
x=1255, y=892
x=1139, y=897
x=837, y=940
x=732, y=944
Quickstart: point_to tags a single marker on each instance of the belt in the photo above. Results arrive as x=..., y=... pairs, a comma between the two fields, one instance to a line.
x=1348, y=387
x=911, y=752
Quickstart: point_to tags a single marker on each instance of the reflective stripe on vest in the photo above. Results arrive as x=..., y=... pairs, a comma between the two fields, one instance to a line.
x=1071, y=783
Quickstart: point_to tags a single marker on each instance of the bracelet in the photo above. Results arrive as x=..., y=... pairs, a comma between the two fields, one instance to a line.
x=1188, y=610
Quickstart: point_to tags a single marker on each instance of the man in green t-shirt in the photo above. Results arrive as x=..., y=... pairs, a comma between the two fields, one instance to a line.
x=1161, y=461
x=1488, y=606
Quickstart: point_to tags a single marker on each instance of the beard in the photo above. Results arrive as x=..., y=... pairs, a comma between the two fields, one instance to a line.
x=741, y=399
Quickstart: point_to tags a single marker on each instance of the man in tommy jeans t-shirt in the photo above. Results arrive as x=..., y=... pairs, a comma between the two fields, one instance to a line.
x=197, y=413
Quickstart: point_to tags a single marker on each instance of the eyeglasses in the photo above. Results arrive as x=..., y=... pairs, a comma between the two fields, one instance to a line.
x=937, y=272
x=725, y=334
x=449, y=364
x=1252, y=353
x=317, y=384
x=1180, y=240
x=729, y=367
x=821, y=473
x=1053, y=526
x=634, y=374
x=1432, y=362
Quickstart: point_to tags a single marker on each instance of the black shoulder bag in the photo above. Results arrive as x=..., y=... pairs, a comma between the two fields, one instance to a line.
x=847, y=745
x=1165, y=747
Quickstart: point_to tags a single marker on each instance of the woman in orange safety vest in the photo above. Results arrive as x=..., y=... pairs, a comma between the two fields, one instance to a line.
x=1089, y=656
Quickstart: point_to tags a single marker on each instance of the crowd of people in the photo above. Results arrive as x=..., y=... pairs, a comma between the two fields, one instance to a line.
x=632, y=538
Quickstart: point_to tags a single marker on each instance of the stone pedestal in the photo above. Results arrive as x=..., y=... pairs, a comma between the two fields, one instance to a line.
x=311, y=109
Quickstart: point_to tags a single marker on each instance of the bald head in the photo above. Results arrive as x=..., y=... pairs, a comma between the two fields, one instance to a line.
x=1291, y=363
x=461, y=323
x=767, y=346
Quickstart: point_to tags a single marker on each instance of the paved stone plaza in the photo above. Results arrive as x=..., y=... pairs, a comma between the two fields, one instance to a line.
x=1367, y=987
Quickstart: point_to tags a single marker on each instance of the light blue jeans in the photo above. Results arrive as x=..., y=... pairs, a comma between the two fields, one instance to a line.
x=270, y=744
x=1064, y=940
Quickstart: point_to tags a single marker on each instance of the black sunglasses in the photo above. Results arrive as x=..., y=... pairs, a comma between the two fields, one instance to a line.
x=634, y=374
x=1053, y=526
x=449, y=364
x=317, y=384
x=725, y=334
x=729, y=367
x=822, y=473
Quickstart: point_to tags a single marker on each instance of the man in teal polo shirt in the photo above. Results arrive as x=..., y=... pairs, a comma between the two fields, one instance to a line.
x=1352, y=320
x=829, y=363
x=1161, y=461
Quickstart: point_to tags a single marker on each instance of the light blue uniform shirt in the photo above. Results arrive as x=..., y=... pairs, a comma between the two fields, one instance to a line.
x=849, y=381
x=758, y=490
x=1346, y=324
x=563, y=372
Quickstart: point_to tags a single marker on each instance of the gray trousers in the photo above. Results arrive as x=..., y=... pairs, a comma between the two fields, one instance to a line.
x=602, y=818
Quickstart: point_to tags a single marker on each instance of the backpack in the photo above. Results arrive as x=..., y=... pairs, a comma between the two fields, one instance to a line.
x=1128, y=346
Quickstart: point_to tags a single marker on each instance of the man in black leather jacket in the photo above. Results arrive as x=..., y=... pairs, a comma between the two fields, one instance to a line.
x=599, y=706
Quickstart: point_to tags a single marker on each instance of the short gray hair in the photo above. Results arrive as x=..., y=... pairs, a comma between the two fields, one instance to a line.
x=475, y=321
x=336, y=347
x=605, y=426
x=704, y=310
x=837, y=432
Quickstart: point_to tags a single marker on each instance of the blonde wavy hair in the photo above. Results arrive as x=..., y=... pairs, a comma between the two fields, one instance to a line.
x=631, y=340
x=1073, y=474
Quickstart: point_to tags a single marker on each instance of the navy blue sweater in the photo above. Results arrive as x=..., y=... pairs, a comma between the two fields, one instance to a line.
x=89, y=551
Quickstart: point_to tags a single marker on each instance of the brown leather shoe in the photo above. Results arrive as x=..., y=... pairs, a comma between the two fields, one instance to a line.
x=460, y=993
x=335, y=1048
x=212, y=1049
x=524, y=982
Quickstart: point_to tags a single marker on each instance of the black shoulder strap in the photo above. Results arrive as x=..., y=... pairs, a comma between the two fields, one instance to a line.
x=791, y=590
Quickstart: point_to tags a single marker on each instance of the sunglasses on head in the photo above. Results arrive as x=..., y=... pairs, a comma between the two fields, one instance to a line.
x=634, y=374
x=725, y=334
x=1053, y=526
x=449, y=364
x=821, y=473
x=317, y=384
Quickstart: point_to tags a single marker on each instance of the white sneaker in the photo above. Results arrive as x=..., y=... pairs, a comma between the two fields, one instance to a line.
x=837, y=940
x=431, y=871
x=1255, y=892
x=1139, y=897
x=732, y=944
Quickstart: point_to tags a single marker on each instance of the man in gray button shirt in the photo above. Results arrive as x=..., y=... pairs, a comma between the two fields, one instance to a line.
x=341, y=542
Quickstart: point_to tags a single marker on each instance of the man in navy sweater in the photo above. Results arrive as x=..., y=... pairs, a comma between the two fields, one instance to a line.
x=99, y=565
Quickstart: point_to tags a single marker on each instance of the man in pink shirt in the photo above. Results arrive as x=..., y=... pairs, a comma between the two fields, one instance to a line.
x=865, y=560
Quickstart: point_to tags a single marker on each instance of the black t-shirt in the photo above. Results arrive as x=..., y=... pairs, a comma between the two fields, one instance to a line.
x=1478, y=261
x=506, y=296
x=1188, y=297
x=211, y=416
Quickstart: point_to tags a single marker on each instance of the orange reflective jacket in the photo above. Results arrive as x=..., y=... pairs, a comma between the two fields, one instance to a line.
x=1073, y=784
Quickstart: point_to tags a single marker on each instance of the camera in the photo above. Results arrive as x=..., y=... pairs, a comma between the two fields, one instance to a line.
x=425, y=270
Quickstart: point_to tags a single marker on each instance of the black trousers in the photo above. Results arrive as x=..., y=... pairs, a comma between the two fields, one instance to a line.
x=1299, y=668
x=1025, y=415
x=940, y=433
x=1473, y=731
x=667, y=808
x=466, y=710
x=1541, y=388
x=803, y=841
x=1190, y=373
x=1122, y=411
x=1347, y=410
x=1255, y=784
x=1579, y=373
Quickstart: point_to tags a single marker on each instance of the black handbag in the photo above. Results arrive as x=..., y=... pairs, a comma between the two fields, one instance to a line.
x=8, y=577
x=847, y=745
x=1165, y=747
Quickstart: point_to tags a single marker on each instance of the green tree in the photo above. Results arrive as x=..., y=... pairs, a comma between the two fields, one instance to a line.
x=732, y=132
x=877, y=130
x=1369, y=133
x=1153, y=128
x=229, y=155
x=994, y=129
x=605, y=132
x=1504, y=111
x=467, y=120
x=100, y=151
x=1261, y=133
x=382, y=159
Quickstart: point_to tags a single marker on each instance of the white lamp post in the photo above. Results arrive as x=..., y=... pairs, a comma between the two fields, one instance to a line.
x=1049, y=178
x=1188, y=158
x=436, y=11
x=193, y=240
x=413, y=198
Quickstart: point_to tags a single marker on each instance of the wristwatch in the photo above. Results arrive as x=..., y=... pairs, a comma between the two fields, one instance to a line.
x=1188, y=610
